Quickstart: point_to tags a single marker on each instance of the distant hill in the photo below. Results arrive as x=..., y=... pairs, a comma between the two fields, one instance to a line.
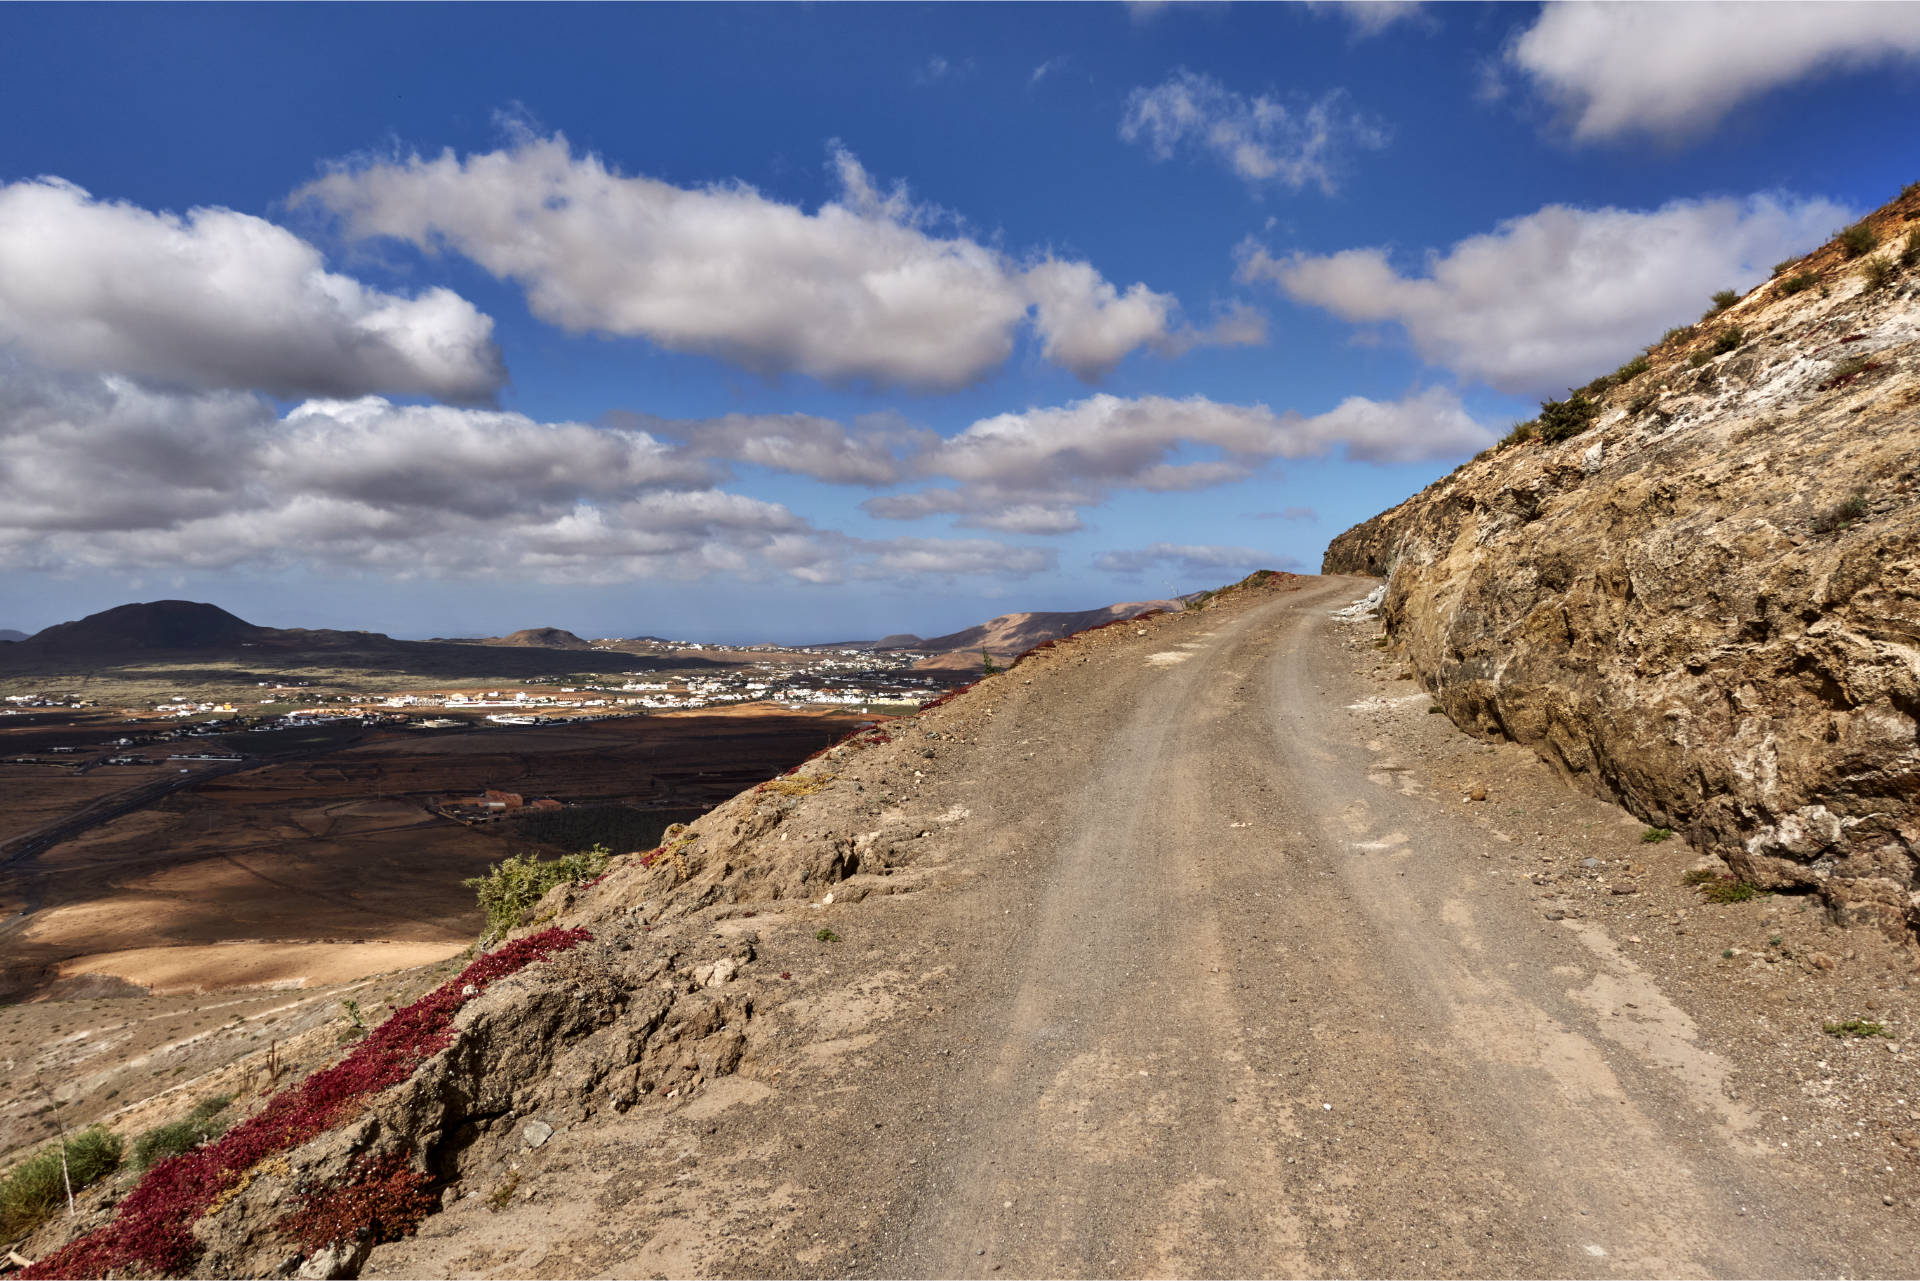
x=1012, y=634
x=538, y=638
x=160, y=624
x=230, y=648
x=8, y=634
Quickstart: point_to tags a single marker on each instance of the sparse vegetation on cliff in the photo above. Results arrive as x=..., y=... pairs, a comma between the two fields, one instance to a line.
x=1858, y=239
x=36, y=1189
x=1564, y=419
x=516, y=883
x=197, y=1127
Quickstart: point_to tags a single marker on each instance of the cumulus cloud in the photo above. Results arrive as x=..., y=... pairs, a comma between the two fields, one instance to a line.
x=103, y=472
x=1185, y=557
x=801, y=444
x=1260, y=139
x=1677, y=69
x=1031, y=472
x=219, y=299
x=862, y=289
x=1552, y=298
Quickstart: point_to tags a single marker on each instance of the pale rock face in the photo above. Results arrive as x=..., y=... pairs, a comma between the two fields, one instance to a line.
x=1708, y=608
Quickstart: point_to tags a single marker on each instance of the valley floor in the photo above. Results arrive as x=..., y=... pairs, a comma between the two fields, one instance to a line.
x=1232, y=960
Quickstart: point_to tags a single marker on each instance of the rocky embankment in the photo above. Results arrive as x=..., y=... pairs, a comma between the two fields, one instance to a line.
x=1704, y=598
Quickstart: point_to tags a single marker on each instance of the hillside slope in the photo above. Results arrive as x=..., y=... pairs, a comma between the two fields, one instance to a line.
x=1706, y=603
x=1012, y=634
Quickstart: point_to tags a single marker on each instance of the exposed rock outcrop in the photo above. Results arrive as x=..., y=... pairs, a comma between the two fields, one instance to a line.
x=1707, y=602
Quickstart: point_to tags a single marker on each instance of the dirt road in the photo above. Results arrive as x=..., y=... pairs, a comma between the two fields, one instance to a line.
x=1213, y=988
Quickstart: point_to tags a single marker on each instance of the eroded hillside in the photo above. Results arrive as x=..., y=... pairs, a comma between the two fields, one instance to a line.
x=1693, y=584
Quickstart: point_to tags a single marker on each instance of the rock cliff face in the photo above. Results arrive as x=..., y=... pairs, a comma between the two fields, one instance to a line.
x=1707, y=602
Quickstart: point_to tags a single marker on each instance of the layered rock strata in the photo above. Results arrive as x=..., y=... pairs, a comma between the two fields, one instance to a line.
x=1707, y=603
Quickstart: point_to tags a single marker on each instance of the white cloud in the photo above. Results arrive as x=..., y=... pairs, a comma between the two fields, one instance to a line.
x=939, y=557
x=860, y=290
x=1369, y=17
x=1677, y=69
x=1046, y=69
x=101, y=473
x=1260, y=139
x=1030, y=472
x=1555, y=297
x=1185, y=557
x=797, y=443
x=218, y=299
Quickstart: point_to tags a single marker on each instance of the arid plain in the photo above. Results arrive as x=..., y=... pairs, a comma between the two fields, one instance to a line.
x=235, y=905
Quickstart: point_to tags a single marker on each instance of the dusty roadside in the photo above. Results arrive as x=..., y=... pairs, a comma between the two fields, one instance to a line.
x=1184, y=948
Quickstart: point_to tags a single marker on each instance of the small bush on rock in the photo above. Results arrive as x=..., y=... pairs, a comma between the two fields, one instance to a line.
x=1840, y=515
x=515, y=884
x=1858, y=239
x=1564, y=419
x=1797, y=284
x=1723, y=300
x=1856, y=1027
x=1728, y=339
x=1520, y=434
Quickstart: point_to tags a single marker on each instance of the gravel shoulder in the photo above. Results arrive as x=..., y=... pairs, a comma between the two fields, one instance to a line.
x=1202, y=958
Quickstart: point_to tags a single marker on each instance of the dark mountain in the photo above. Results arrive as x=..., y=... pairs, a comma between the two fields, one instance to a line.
x=160, y=624
x=8, y=634
x=232, y=649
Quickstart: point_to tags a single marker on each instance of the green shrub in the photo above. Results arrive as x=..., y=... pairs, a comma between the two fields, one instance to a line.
x=1655, y=835
x=1564, y=419
x=1642, y=403
x=1726, y=889
x=1797, y=284
x=1728, y=339
x=1841, y=514
x=1723, y=300
x=36, y=1189
x=1856, y=1027
x=1858, y=239
x=1679, y=333
x=163, y=1141
x=1910, y=252
x=1783, y=264
x=1631, y=370
x=515, y=884
x=1698, y=359
x=1519, y=434
x=1879, y=273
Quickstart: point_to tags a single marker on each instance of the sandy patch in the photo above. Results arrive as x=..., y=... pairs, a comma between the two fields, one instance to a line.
x=227, y=966
x=1167, y=658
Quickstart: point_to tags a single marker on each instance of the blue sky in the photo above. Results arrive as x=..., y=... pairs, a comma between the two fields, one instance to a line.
x=801, y=322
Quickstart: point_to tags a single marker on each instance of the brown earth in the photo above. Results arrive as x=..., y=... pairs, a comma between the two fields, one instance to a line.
x=1194, y=946
x=1707, y=605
